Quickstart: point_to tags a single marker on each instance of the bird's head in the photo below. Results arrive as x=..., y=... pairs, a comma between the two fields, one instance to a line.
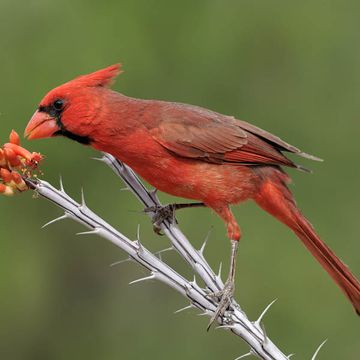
x=71, y=109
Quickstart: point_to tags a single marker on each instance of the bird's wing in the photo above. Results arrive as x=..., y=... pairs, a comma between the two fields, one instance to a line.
x=208, y=136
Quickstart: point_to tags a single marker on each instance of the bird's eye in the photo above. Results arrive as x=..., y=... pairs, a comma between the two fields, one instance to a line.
x=58, y=104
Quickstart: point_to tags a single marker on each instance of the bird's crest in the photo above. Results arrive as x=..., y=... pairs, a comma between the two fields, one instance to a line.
x=103, y=77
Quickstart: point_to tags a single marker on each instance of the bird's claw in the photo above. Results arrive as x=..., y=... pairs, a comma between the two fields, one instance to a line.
x=161, y=213
x=157, y=228
x=224, y=297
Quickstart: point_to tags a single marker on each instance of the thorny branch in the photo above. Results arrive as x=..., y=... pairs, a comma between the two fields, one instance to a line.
x=234, y=320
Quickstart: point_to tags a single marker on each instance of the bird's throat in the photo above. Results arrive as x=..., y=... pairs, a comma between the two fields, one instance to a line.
x=85, y=140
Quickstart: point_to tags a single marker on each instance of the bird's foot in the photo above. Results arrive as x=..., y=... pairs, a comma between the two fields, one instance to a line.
x=167, y=212
x=161, y=213
x=224, y=298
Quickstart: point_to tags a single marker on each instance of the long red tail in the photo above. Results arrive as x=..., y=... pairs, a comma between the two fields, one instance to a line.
x=277, y=200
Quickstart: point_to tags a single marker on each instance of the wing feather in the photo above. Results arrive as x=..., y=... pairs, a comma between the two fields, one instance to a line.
x=196, y=133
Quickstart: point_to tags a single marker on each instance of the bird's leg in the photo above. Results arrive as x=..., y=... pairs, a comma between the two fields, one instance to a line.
x=226, y=294
x=167, y=212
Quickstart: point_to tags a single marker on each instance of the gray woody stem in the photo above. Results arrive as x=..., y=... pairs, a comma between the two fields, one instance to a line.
x=234, y=319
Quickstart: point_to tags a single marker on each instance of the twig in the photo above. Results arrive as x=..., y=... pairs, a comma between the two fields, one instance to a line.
x=234, y=319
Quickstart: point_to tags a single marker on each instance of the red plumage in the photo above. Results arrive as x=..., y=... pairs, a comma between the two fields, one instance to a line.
x=187, y=151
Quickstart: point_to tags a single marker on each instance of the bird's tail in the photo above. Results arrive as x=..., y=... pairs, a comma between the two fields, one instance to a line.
x=276, y=199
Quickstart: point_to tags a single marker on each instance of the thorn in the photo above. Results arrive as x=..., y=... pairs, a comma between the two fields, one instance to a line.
x=153, y=195
x=61, y=184
x=140, y=248
x=266, y=339
x=187, y=289
x=83, y=203
x=245, y=355
x=201, y=250
x=318, y=349
x=194, y=281
x=121, y=261
x=205, y=313
x=163, y=250
x=183, y=309
x=159, y=253
x=290, y=356
x=226, y=327
x=219, y=272
x=152, y=276
x=138, y=233
x=62, y=217
x=258, y=321
x=102, y=159
x=90, y=232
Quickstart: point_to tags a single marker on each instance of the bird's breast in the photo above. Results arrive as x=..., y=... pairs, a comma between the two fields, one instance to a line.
x=179, y=176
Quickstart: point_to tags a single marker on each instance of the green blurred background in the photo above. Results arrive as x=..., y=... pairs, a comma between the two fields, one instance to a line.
x=289, y=67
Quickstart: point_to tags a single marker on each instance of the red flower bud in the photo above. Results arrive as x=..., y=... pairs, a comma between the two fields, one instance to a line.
x=2, y=158
x=6, y=190
x=12, y=158
x=5, y=175
x=18, y=150
x=14, y=137
x=16, y=164
x=18, y=180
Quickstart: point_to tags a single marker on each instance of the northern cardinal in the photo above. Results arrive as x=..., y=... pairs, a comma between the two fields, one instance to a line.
x=190, y=152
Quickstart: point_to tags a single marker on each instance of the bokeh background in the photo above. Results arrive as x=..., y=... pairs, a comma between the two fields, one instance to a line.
x=290, y=67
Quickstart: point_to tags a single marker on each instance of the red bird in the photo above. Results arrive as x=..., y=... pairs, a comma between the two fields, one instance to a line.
x=191, y=152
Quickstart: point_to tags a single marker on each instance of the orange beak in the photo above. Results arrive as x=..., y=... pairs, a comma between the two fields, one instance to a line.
x=41, y=125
